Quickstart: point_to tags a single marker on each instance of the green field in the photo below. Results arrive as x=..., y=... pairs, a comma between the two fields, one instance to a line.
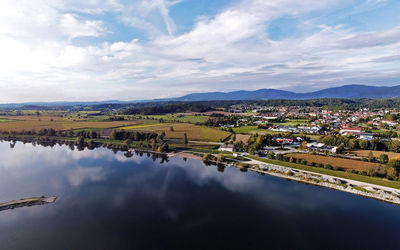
x=246, y=129
x=341, y=174
x=5, y=120
x=175, y=118
x=292, y=122
x=142, y=126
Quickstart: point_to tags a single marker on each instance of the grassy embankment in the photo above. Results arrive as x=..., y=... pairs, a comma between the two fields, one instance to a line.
x=341, y=174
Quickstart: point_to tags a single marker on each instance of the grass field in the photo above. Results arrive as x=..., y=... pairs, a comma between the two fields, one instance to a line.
x=194, y=132
x=5, y=120
x=147, y=126
x=336, y=162
x=364, y=153
x=341, y=174
x=178, y=118
x=292, y=122
x=245, y=129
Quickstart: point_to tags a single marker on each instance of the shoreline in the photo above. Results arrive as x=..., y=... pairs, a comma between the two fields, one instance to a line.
x=378, y=192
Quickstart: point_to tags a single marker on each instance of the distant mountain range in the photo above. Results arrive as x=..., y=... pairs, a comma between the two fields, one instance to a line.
x=346, y=92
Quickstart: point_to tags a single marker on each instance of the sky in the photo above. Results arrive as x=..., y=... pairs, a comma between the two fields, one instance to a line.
x=73, y=50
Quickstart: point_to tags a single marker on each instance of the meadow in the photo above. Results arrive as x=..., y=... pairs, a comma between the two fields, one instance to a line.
x=176, y=118
x=193, y=132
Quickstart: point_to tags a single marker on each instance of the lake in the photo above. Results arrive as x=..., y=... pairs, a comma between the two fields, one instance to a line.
x=110, y=201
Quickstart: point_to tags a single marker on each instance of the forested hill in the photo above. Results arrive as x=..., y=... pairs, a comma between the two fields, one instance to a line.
x=344, y=92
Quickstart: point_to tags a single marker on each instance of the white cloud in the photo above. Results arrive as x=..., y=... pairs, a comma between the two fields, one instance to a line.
x=72, y=27
x=40, y=59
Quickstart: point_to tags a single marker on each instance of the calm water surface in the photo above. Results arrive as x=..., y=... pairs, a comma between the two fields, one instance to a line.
x=109, y=201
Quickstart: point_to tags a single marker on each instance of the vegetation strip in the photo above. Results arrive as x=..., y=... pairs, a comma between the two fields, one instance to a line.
x=341, y=174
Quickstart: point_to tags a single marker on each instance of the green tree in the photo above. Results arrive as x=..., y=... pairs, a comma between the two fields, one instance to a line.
x=383, y=158
x=391, y=173
x=207, y=157
x=364, y=144
x=371, y=157
x=271, y=155
x=221, y=157
x=163, y=148
x=185, y=139
x=394, y=163
x=80, y=140
x=340, y=148
x=162, y=136
x=127, y=142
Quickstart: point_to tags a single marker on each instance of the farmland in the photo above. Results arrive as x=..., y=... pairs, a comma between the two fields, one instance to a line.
x=26, y=123
x=364, y=153
x=347, y=164
x=194, y=132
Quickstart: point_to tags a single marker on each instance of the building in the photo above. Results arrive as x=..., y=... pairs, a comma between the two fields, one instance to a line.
x=366, y=136
x=284, y=140
x=351, y=131
x=390, y=123
x=227, y=148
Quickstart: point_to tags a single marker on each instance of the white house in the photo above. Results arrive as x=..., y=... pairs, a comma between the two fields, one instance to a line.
x=227, y=148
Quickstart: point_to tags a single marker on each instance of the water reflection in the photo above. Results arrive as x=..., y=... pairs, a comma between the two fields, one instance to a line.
x=125, y=200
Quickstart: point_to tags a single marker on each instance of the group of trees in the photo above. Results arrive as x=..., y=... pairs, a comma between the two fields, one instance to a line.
x=216, y=121
x=166, y=108
x=135, y=135
x=88, y=134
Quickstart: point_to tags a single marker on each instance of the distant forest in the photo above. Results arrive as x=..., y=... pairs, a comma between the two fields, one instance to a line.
x=346, y=104
x=148, y=108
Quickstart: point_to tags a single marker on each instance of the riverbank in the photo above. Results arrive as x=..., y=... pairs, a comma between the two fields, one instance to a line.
x=382, y=193
x=378, y=192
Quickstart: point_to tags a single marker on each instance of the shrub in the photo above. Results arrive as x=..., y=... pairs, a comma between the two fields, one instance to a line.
x=221, y=157
x=271, y=155
x=244, y=165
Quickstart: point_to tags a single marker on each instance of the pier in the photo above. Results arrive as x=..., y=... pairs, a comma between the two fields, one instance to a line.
x=27, y=202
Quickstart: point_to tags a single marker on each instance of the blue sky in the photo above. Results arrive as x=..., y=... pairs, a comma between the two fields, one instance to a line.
x=140, y=49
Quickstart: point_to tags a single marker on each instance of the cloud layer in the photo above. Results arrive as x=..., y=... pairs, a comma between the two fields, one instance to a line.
x=68, y=50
